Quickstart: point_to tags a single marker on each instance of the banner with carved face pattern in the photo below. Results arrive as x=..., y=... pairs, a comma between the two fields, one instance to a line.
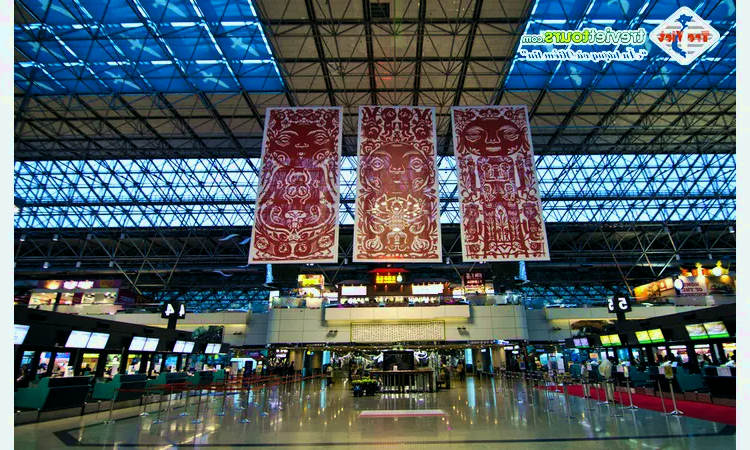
x=398, y=214
x=501, y=208
x=296, y=213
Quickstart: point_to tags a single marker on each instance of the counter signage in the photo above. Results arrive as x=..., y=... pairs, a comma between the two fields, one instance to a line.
x=170, y=309
x=474, y=282
x=693, y=286
x=387, y=279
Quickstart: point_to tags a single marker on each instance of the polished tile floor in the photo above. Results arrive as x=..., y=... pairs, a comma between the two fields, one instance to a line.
x=478, y=414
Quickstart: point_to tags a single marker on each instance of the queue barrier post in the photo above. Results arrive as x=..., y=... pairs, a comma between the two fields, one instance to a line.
x=661, y=395
x=675, y=411
x=630, y=396
x=184, y=412
x=112, y=407
x=568, y=408
x=615, y=412
x=144, y=399
x=158, y=414
x=197, y=419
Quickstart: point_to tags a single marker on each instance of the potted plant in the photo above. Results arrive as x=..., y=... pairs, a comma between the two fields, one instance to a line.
x=365, y=386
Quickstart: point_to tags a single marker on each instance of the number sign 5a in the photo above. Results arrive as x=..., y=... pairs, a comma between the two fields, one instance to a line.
x=170, y=309
x=618, y=304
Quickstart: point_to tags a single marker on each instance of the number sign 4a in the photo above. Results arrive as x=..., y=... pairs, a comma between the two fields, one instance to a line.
x=618, y=304
x=170, y=309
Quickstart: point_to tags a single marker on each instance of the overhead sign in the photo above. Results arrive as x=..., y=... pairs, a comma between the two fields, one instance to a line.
x=388, y=279
x=170, y=309
x=684, y=36
x=619, y=303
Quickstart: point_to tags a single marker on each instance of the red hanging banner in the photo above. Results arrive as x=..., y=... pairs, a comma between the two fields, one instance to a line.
x=296, y=213
x=501, y=208
x=397, y=215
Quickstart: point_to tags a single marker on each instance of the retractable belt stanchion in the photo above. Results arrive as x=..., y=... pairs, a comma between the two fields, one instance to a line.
x=187, y=401
x=158, y=414
x=568, y=407
x=661, y=395
x=144, y=399
x=675, y=411
x=630, y=395
x=112, y=407
x=615, y=412
x=197, y=419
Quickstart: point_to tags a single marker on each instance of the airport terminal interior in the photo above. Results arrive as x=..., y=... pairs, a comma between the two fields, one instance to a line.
x=376, y=223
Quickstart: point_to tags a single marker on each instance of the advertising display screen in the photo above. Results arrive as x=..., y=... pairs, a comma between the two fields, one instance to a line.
x=716, y=329
x=696, y=331
x=643, y=337
x=213, y=348
x=584, y=342
x=179, y=347
x=614, y=339
x=19, y=333
x=98, y=341
x=656, y=335
x=151, y=344
x=78, y=339
x=353, y=290
x=188, y=347
x=605, y=340
x=137, y=344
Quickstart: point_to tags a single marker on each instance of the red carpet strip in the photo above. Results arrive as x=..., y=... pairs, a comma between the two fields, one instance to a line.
x=697, y=410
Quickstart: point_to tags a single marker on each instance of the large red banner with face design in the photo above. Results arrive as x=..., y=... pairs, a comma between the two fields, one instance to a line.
x=501, y=209
x=296, y=213
x=397, y=216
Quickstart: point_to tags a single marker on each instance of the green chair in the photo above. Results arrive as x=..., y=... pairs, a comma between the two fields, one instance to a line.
x=219, y=376
x=108, y=390
x=54, y=393
x=690, y=383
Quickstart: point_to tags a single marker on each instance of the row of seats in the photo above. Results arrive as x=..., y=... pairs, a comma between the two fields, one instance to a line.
x=71, y=392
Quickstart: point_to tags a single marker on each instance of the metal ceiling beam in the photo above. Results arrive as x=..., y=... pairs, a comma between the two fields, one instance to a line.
x=420, y=52
x=467, y=51
x=370, y=52
x=321, y=51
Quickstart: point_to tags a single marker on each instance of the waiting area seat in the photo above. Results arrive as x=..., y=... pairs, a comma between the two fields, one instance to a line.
x=121, y=388
x=219, y=376
x=54, y=393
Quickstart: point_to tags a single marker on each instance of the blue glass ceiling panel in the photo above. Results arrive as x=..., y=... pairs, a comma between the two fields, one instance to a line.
x=222, y=192
x=715, y=68
x=171, y=46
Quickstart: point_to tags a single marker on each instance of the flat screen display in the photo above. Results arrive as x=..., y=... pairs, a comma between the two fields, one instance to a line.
x=213, y=348
x=696, y=331
x=98, y=341
x=656, y=335
x=643, y=337
x=189, y=347
x=605, y=340
x=716, y=329
x=577, y=342
x=584, y=342
x=614, y=339
x=137, y=344
x=151, y=344
x=19, y=334
x=78, y=339
x=179, y=346
x=354, y=290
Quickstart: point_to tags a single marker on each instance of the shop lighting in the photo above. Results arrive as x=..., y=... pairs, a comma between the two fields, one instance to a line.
x=46, y=265
x=23, y=238
x=122, y=236
x=731, y=230
x=55, y=237
x=111, y=264
x=718, y=270
x=89, y=236
x=78, y=265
